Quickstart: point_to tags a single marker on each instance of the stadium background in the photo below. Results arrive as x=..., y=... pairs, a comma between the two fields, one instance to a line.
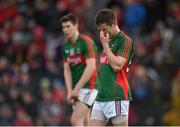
x=32, y=90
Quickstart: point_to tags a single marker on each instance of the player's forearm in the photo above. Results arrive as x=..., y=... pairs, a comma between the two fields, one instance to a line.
x=68, y=80
x=114, y=61
x=88, y=72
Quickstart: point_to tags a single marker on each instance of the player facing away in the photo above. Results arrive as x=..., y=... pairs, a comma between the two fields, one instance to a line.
x=80, y=74
x=112, y=101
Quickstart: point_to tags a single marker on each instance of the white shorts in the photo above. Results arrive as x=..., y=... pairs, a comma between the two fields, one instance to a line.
x=87, y=96
x=116, y=110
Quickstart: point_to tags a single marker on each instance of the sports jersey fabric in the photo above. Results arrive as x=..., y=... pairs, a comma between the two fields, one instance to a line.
x=76, y=54
x=114, y=85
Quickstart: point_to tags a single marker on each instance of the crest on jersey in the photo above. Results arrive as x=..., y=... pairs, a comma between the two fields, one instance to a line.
x=71, y=53
x=66, y=51
x=78, y=51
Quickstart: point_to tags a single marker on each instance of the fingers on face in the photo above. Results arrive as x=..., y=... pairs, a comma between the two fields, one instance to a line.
x=104, y=35
x=107, y=35
x=101, y=33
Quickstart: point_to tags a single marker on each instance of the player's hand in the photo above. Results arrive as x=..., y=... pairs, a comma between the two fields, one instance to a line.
x=69, y=100
x=104, y=37
x=75, y=94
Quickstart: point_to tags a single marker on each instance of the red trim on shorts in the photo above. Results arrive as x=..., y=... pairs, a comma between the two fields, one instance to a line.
x=118, y=107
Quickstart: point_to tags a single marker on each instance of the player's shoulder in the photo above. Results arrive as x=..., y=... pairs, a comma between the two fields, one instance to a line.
x=125, y=36
x=86, y=38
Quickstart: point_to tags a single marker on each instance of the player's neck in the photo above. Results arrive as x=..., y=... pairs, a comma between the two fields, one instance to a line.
x=74, y=38
x=115, y=32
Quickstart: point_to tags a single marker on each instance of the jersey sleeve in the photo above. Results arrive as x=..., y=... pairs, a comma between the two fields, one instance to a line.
x=90, y=47
x=64, y=54
x=125, y=48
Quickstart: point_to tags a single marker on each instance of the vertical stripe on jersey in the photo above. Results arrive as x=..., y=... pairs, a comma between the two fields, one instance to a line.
x=91, y=54
x=127, y=48
x=89, y=45
x=121, y=79
x=125, y=36
x=92, y=80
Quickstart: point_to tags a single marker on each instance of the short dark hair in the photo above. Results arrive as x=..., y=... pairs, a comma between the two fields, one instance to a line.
x=106, y=16
x=68, y=17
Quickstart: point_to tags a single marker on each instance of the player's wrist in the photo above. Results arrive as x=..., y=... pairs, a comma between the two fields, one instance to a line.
x=77, y=87
x=105, y=46
x=69, y=91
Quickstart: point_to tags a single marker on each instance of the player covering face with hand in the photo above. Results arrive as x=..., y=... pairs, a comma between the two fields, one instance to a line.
x=79, y=52
x=112, y=101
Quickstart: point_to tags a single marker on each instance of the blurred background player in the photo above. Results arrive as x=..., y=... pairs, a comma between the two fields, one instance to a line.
x=113, y=97
x=79, y=70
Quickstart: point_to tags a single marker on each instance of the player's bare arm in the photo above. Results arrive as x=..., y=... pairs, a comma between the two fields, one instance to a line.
x=116, y=62
x=68, y=80
x=88, y=72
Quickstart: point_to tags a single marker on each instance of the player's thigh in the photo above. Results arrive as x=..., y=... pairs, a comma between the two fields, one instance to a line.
x=86, y=120
x=97, y=117
x=80, y=110
x=87, y=96
x=122, y=108
x=120, y=120
x=93, y=122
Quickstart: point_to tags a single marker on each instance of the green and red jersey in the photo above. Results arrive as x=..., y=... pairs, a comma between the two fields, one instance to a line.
x=76, y=54
x=114, y=85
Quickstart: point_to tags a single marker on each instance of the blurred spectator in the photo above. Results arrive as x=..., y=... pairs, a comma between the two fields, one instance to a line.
x=173, y=16
x=58, y=91
x=14, y=97
x=50, y=110
x=155, y=11
x=22, y=118
x=54, y=46
x=145, y=86
x=30, y=104
x=6, y=115
x=24, y=83
x=174, y=49
x=135, y=15
x=8, y=10
x=38, y=44
x=171, y=118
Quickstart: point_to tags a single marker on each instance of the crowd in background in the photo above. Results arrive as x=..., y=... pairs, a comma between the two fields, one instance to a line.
x=32, y=89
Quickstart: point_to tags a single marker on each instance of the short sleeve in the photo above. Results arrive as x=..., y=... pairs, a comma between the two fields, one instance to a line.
x=124, y=48
x=90, y=47
x=64, y=54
